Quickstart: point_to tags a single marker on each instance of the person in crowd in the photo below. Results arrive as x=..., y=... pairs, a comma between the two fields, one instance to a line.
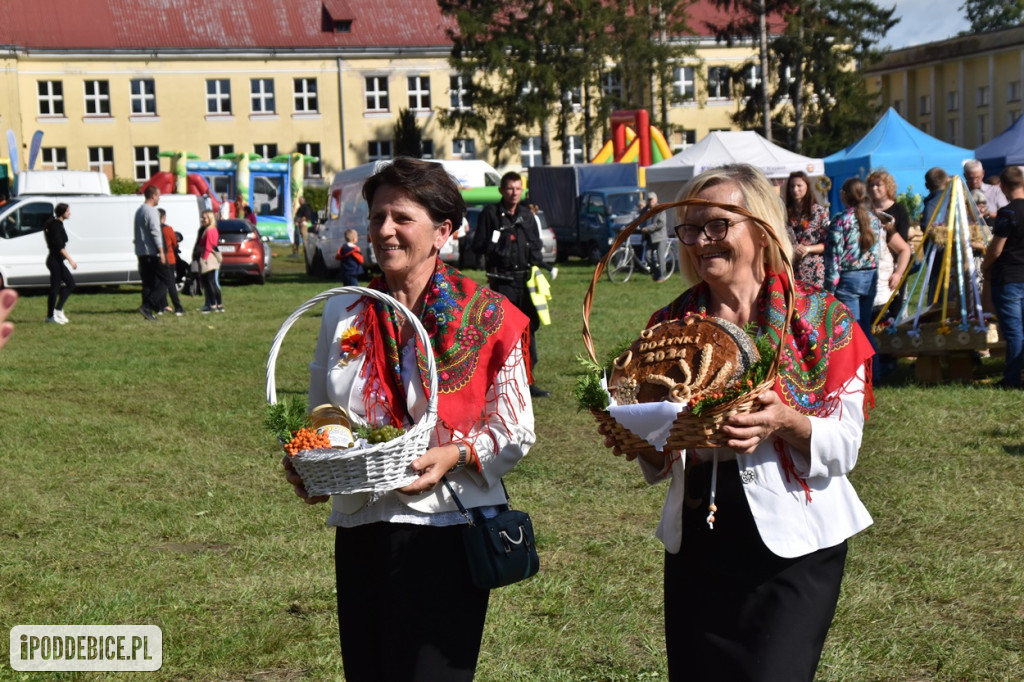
x=250, y=215
x=238, y=206
x=806, y=226
x=882, y=190
x=225, y=207
x=8, y=299
x=509, y=240
x=751, y=595
x=974, y=176
x=351, y=259
x=205, y=251
x=655, y=233
x=401, y=553
x=149, y=239
x=1004, y=268
x=935, y=181
x=852, y=254
x=981, y=201
x=62, y=283
x=303, y=218
x=168, y=274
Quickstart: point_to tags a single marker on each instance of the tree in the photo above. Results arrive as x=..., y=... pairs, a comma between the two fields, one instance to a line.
x=408, y=136
x=820, y=102
x=988, y=15
x=534, y=63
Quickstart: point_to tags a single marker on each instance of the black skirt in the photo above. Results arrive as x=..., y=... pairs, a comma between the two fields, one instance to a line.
x=734, y=610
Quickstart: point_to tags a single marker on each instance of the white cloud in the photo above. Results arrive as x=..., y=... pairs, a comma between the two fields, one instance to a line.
x=925, y=21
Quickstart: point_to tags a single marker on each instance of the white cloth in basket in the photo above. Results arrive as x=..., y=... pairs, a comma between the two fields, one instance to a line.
x=500, y=441
x=650, y=421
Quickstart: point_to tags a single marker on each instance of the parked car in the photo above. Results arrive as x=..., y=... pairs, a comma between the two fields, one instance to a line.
x=549, y=245
x=244, y=250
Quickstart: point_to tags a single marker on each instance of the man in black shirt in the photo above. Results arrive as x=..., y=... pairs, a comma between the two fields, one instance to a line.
x=508, y=238
x=303, y=212
x=1004, y=268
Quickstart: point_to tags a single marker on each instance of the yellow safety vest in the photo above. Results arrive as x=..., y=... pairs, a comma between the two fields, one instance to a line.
x=540, y=294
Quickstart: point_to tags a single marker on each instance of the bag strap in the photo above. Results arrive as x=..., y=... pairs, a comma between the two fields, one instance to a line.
x=462, y=508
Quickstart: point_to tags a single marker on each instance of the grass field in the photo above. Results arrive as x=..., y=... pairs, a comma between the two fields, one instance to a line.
x=140, y=487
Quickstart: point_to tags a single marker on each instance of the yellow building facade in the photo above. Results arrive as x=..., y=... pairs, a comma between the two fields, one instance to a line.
x=115, y=109
x=964, y=91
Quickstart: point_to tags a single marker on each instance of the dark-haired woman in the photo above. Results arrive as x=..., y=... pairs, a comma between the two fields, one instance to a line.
x=61, y=281
x=399, y=555
x=852, y=255
x=807, y=225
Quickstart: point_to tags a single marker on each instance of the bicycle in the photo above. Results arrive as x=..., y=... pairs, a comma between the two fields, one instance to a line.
x=635, y=255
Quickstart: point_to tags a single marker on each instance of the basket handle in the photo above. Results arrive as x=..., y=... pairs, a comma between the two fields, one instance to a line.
x=588, y=299
x=275, y=347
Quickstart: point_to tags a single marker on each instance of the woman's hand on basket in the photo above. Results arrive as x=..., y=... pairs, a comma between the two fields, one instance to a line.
x=293, y=477
x=747, y=430
x=431, y=466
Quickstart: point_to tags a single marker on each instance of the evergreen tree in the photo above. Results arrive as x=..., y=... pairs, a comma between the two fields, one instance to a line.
x=987, y=15
x=408, y=136
x=819, y=103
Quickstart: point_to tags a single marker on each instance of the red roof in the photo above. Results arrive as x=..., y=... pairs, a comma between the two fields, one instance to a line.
x=111, y=25
x=220, y=24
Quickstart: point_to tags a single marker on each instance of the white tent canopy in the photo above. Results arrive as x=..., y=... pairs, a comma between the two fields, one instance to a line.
x=720, y=148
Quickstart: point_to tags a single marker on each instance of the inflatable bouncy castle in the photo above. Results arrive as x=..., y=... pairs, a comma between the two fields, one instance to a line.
x=634, y=140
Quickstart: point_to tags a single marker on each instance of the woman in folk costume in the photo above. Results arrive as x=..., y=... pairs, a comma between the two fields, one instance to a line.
x=399, y=555
x=755, y=532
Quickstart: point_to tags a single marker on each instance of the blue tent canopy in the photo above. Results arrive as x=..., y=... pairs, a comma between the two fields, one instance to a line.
x=899, y=148
x=1007, y=149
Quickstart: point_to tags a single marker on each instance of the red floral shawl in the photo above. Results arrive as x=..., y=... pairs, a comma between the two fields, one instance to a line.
x=824, y=346
x=472, y=331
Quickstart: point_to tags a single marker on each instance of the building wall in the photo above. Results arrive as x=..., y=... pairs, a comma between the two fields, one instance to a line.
x=964, y=91
x=342, y=125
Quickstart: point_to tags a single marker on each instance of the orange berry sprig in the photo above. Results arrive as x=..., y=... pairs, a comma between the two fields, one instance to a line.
x=306, y=439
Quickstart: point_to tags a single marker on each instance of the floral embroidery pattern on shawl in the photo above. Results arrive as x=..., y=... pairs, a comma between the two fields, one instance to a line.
x=824, y=347
x=472, y=331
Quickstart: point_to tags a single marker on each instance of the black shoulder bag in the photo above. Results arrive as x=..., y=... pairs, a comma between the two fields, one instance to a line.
x=500, y=550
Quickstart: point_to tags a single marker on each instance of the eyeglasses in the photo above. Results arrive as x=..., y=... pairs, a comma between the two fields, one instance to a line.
x=715, y=230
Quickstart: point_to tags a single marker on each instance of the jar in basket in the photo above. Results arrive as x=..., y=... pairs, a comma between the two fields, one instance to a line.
x=333, y=422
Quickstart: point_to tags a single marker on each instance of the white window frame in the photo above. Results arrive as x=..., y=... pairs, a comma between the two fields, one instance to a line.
x=101, y=158
x=529, y=152
x=953, y=100
x=314, y=169
x=611, y=84
x=574, y=150
x=464, y=148
x=145, y=98
x=376, y=99
x=378, y=150
x=220, y=97
x=982, y=128
x=426, y=148
x=419, y=93
x=983, y=97
x=751, y=77
x=687, y=138
x=1013, y=91
x=147, y=163
x=573, y=98
x=720, y=71
x=54, y=100
x=459, y=88
x=306, y=96
x=261, y=99
x=953, y=130
x=53, y=158
x=97, y=102
x=684, y=85
x=265, y=150
x=924, y=105
x=218, y=150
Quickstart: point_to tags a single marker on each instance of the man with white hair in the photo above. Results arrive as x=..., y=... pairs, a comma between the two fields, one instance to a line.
x=974, y=175
x=656, y=233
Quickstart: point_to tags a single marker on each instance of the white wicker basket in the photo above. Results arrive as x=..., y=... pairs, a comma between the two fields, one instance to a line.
x=380, y=467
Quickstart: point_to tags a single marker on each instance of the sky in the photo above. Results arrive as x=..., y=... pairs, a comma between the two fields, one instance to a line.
x=924, y=21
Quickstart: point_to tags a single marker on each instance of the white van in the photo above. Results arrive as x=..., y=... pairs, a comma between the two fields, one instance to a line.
x=346, y=209
x=100, y=236
x=62, y=182
x=471, y=173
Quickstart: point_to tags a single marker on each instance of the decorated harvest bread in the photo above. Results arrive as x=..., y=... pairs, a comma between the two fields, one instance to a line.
x=681, y=360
